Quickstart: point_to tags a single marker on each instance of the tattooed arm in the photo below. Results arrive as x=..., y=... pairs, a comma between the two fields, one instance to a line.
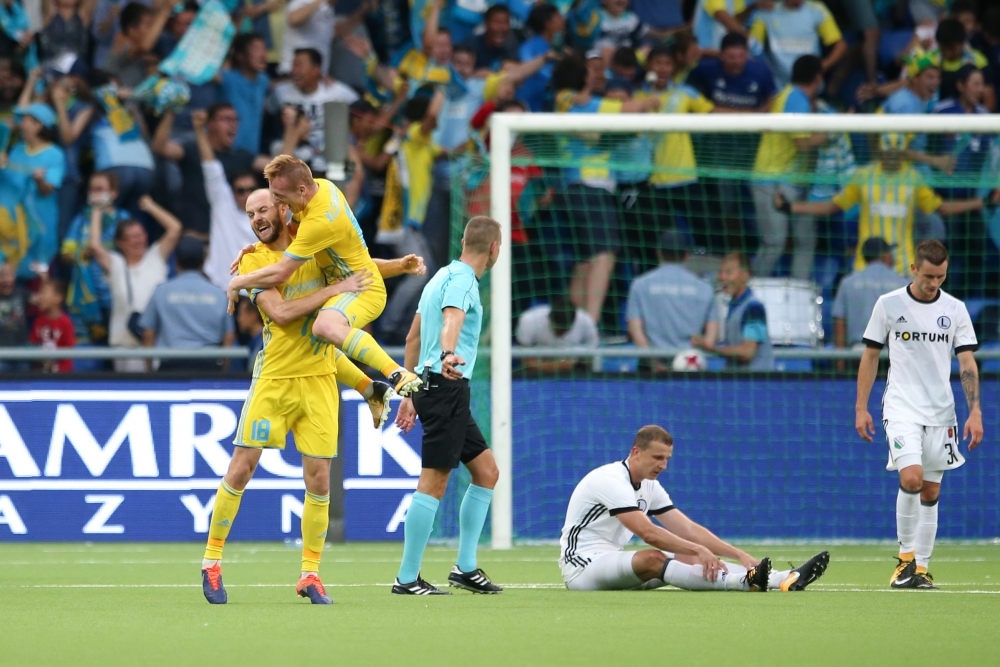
x=969, y=374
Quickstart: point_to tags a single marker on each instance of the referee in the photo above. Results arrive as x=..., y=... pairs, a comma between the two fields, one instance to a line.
x=442, y=345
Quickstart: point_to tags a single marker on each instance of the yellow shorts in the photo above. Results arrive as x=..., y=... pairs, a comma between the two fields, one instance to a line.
x=360, y=308
x=306, y=406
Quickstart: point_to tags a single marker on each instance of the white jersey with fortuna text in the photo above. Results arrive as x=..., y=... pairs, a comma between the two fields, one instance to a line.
x=921, y=336
x=592, y=526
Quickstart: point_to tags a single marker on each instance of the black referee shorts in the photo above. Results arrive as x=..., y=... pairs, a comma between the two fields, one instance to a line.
x=450, y=433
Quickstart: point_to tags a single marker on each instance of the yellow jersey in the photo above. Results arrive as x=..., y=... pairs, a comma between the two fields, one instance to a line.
x=290, y=350
x=329, y=233
x=777, y=153
x=673, y=154
x=887, y=206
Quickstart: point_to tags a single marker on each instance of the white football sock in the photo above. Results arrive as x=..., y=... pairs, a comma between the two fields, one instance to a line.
x=775, y=578
x=207, y=563
x=907, y=518
x=689, y=578
x=926, y=532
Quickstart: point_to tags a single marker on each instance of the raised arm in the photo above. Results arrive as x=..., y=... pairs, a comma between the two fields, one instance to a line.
x=431, y=27
x=161, y=15
x=198, y=119
x=161, y=143
x=679, y=524
x=172, y=227
x=69, y=130
x=96, y=243
x=969, y=374
x=390, y=268
x=301, y=15
x=517, y=73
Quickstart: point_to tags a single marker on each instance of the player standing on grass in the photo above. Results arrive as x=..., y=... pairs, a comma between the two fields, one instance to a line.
x=614, y=502
x=921, y=324
x=294, y=389
x=443, y=341
x=326, y=230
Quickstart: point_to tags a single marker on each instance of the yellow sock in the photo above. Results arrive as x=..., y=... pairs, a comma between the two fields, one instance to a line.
x=921, y=569
x=315, y=521
x=909, y=555
x=361, y=347
x=350, y=375
x=227, y=504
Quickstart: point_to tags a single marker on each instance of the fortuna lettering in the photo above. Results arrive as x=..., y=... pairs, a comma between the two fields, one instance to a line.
x=923, y=336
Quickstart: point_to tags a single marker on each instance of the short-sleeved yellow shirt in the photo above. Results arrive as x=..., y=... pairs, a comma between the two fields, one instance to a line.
x=887, y=206
x=329, y=233
x=290, y=350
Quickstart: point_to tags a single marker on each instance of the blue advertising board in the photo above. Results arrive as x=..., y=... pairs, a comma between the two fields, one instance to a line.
x=120, y=460
x=754, y=457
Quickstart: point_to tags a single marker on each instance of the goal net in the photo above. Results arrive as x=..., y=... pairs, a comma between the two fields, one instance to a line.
x=600, y=210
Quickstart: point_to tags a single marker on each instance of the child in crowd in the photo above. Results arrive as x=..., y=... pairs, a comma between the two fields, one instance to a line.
x=52, y=328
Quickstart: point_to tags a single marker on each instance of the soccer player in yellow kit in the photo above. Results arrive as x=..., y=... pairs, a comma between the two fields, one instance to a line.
x=328, y=232
x=294, y=389
x=889, y=191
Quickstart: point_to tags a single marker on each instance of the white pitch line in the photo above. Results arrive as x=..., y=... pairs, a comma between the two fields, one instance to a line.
x=818, y=587
x=289, y=585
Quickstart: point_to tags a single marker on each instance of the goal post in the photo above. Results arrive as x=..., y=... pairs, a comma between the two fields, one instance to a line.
x=505, y=128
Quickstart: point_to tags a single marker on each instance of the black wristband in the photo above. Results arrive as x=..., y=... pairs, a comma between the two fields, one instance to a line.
x=786, y=207
x=446, y=353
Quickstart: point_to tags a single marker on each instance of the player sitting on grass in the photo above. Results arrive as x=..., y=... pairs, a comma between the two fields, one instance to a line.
x=294, y=389
x=616, y=501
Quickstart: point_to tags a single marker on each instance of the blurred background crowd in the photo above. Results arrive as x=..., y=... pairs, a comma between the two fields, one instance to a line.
x=123, y=183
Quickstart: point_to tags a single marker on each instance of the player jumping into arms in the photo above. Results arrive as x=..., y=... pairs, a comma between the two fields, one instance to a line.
x=443, y=340
x=294, y=389
x=616, y=501
x=326, y=230
x=921, y=324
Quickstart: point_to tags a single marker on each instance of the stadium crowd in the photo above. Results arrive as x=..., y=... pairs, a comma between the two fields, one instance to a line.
x=119, y=205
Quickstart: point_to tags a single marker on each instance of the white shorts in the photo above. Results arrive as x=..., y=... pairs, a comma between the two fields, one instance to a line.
x=935, y=448
x=611, y=571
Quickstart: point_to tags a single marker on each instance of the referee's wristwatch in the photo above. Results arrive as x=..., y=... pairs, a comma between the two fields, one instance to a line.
x=446, y=353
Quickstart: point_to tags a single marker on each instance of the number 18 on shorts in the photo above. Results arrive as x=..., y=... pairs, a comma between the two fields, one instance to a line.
x=933, y=447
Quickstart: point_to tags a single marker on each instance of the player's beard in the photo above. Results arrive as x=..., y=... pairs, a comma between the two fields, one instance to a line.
x=272, y=233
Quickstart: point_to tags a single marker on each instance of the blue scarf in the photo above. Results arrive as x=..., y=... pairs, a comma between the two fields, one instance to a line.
x=201, y=51
x=14, y=22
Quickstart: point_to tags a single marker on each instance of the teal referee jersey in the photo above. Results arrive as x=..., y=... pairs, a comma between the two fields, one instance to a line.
x=454, y=286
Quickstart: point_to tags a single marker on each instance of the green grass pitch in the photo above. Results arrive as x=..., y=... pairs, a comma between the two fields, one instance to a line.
x=141, y=604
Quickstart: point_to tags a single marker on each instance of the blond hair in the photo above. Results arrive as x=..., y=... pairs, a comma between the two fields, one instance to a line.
x=291, y=168
x=647, y=435
x=480, y=233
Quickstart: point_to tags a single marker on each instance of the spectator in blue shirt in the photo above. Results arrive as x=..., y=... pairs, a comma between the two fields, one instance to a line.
x=30, y=175
x=245, y=86
x=966, y=232
x=188, y=312
x=968, y=150
x=497, y=44
x=733, y=80
x=548, y=25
